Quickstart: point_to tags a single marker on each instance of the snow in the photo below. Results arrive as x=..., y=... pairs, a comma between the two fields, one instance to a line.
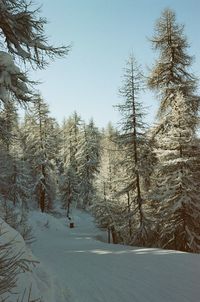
x=11, y=78
x=7, y=62
x=37, y=278
x=26, y=280
x=79, y=267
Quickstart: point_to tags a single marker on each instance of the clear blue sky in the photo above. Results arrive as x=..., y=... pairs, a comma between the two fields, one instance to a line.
x=104, y=33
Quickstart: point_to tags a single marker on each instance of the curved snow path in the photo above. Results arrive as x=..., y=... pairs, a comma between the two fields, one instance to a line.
x=95, y=271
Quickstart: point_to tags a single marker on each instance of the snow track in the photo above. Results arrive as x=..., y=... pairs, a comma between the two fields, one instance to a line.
x=88, y=270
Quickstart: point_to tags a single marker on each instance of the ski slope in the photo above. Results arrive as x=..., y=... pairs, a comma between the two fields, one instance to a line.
x=86, y=269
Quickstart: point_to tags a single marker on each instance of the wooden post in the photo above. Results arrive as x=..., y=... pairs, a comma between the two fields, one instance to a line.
x=71, y=225
x=108, y=234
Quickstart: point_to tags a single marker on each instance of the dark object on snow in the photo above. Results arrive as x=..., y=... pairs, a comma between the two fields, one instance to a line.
x=112, y=232
x=71, y=225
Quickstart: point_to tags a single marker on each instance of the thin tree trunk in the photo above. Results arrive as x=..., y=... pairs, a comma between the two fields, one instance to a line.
x=69, y=202
x=139, y=199
x=129, y=212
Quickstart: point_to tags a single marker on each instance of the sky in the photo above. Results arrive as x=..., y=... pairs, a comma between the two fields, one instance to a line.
x=103, y=34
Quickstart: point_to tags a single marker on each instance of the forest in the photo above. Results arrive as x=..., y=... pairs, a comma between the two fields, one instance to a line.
x=140, y=182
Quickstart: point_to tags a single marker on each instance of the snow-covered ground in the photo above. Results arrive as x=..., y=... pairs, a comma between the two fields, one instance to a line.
x=78, y=267
x=34, y=281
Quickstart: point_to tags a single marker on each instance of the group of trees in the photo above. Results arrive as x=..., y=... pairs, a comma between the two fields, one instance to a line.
x=152, y=197
x=23, y=46
x=141, y=183
x=79, y=159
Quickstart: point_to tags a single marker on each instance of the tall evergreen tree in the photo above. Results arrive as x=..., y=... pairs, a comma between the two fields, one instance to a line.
x=40, y=149
x=69, y=180
x=133, y=141
x=175, y=193
x=22, y=38
x=71, y=135
x=22, y=41
x=171, y=71
x=88, y=157
x=106, y=207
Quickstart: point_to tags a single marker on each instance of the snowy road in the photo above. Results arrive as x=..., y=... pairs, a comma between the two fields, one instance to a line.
x=88, y=270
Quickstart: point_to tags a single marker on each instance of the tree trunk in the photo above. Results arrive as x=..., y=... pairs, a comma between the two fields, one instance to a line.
x=129, y=212
x=114, y=235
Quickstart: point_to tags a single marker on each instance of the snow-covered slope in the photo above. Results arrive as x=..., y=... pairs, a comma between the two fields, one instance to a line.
x=23, y=265
x=86, y=269
x=33, y=280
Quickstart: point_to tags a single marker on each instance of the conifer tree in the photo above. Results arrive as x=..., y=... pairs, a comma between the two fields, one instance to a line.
x=108, y=160
x=88, y=157
x=23, y=35
x=175, y=193
x=71, y=135
x=133, y=141
x=106, y=207
x=69, y=188
x=39, y=143
x=171, y=71
x=22, y=40
x=70, y=144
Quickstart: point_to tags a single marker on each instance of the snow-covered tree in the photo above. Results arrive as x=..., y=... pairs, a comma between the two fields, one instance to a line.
x=70, y=144
x=133, y=141
x=88, y=157
x=106, y=206
x=6, y=171
x=171, y=71
x=22, y=41
x=9, y=124
x=23, y=46
x=23, y=33
x=175, y=193
x=13, y=89
x=14, y=84
x=69, y=188
x=39, y=152
x=108, y=161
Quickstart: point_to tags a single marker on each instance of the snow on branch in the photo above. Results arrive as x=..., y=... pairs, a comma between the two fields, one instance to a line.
x=22, y=31
x=13, y=83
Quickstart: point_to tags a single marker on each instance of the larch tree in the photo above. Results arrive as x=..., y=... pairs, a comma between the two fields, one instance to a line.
x=70, y=140
x=17, y=181
x=133, y=141
x=171, y=71
x=69, y=178
x=106, y=207
x=39, y=151
x=175, y=192
x=7, y=162
x=22, y=40
x=13, y=177
x=108, y=161
x=23, y=34
x=88, y=157
x=69, y=189
x=23, y=43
